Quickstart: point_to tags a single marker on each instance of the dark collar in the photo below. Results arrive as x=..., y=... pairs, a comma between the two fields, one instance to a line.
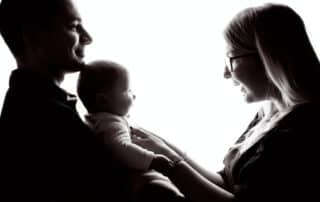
x=31, y=83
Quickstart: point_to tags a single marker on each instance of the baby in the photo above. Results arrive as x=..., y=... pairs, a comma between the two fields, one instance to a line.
x=104, y=89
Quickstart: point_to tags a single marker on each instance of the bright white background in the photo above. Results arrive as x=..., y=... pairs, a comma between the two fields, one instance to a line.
x=174, y=50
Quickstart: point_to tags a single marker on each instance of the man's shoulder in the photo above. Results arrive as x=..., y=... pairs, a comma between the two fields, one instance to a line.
x=36, y=109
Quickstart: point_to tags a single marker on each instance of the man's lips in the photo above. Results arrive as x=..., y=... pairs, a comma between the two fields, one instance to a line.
x=79, y=53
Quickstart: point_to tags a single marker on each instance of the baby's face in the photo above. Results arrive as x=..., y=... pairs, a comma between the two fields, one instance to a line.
x=121, y=98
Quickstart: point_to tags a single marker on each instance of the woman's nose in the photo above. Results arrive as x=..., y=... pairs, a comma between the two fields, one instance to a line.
x=227, y=73
x=235, y=82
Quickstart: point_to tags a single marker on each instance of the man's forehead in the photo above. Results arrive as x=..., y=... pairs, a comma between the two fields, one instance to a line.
x=69, y=11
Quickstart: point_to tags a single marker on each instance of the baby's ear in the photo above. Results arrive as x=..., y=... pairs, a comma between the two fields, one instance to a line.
x=100, y=98
x=103, y=99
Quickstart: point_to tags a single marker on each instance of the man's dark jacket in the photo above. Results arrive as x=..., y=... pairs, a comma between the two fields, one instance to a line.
x=48, y=153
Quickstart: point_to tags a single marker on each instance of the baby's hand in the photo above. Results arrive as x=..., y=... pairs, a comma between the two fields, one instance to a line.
x=162, y=164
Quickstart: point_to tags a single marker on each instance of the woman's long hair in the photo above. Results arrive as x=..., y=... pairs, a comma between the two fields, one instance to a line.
x=279, y=36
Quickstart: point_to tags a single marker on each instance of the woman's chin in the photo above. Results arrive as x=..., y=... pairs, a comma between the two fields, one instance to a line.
x=248, y=98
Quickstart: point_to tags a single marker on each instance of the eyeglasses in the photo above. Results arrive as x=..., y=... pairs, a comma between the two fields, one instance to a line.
x=228, y=60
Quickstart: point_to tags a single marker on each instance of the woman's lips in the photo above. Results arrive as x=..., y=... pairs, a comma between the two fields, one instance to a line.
x=243, y=90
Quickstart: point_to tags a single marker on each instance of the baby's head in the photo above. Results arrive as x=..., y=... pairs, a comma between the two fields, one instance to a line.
x=103, y=86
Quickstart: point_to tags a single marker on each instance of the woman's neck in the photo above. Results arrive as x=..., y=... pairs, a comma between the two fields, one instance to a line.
x=274, y=107
x=280, y=107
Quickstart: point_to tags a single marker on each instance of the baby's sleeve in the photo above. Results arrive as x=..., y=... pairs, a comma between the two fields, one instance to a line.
x=116, y=135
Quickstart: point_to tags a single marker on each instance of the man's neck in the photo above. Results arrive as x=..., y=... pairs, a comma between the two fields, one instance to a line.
x=43, y=72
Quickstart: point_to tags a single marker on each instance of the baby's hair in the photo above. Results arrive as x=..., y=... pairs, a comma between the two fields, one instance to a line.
x=97, y=77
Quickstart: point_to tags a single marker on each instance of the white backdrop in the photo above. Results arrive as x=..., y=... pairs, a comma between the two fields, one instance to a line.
x=174, y=50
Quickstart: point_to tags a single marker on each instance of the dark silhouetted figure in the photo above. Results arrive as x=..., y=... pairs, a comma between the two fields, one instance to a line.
x=271, y=58
x=48, y=153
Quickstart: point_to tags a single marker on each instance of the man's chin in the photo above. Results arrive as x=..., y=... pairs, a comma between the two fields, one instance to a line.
x=75, y=67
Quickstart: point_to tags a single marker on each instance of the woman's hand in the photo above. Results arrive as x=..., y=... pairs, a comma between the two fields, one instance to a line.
x=148, y=140
x=152, y=142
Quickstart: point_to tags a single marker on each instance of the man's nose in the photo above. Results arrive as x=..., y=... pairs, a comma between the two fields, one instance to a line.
x=85, y=37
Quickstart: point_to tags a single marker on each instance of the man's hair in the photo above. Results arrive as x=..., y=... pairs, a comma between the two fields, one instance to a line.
x=98, y=77
x=278, y=35
x=18, y=17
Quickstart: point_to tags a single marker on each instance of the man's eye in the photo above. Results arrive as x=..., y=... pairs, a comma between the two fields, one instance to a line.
x=73, y=26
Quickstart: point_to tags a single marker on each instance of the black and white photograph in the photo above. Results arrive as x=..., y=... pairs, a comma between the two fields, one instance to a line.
x=159, y=100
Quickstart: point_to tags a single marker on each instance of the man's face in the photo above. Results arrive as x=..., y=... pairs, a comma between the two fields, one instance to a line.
x=63, y=46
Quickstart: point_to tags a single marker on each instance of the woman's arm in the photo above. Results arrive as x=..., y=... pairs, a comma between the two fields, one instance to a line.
x=197, y=187
x=176, y=154
x=213, y=177
x=192, y=184
x=192, y=180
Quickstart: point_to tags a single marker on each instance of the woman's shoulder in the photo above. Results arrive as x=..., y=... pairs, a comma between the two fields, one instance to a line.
x=296, y=133
x=305, y=114
x=298, y=127
x=307, y=107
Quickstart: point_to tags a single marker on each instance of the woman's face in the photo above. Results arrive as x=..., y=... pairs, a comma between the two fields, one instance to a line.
x=64, y=45
x=246, y=71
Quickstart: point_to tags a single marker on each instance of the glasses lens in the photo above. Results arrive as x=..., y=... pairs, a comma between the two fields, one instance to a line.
x=228, y=60
x=228, y=64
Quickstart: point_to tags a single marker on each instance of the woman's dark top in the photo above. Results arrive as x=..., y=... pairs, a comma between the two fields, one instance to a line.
x=283, y=164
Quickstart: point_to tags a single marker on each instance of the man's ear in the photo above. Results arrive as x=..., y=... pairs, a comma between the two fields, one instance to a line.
x=32, y=40
x=37, y=44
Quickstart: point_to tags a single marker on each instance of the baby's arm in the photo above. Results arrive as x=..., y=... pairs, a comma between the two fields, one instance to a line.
x=116, y=135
